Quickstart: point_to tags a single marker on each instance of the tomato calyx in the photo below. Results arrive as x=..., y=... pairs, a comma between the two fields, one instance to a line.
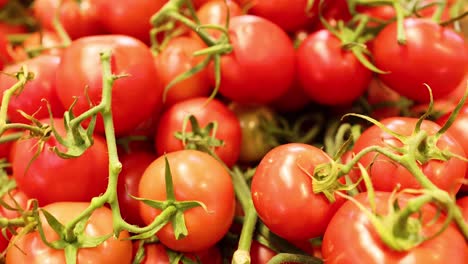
x=203, y=139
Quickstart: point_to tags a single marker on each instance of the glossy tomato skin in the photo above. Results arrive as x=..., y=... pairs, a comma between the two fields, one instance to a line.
x=133, y=166
x=113, y=250
x=329, y=74
x=350, y=238
x=385, y=175
x=157, y=254
x=175, y=59
x=49, y=178
x=458, y=131
x=172, y=121
x=134, y=97
x=215, y=13
x=15, y=199
x=435, y=55
x=30, y=100
x=257, y=72
x=128, y=18
x=289, y=15
x=78, y=18
x=286, y=169
x=196, y=176
x=260, y=254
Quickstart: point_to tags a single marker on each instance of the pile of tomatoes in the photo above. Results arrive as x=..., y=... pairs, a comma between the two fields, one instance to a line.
x=246, y=131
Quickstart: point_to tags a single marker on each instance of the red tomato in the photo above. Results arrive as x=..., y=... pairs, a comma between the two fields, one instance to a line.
x=413, y=64
x=134, y=98
x=257, y=72
x=260, y=254
x=286, y=169
x=5, y=56
x=3, y=3
x=458, y=131
x=45, y=38
x=5, y=148
x=157, y=254
x=293, y=100
x=463, y=204
x=113, y=250
x=13, y=199
x=351, y=238
x=329, y=74
x=133, y=166
x=128, y=17
x=49, y=178
x=334, y=11
x=175, y=59
x=289, y=15
x=78, y=18
x=228, y=130
x=383, y=12
x=379, y=93
x=208, y=182
x=385, y=174
x=41, y=87
x=215, y=13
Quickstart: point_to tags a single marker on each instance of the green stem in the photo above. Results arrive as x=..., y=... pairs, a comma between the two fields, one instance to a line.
x=294, y=258
x=242, y=254
x=195, y=27
x=439, y=10
x=6, y=222
x=400, y=17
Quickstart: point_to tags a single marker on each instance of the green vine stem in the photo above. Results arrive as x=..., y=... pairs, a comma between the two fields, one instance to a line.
x=294, y=258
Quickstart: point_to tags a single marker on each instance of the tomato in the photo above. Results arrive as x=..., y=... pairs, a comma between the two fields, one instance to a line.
x=175, y=59
x=46, y=38
x=463, y=204
x=383, y=12
x=458, y=131
x=289, y=15
x=286, y=169
x=385, y=174
x=134, y=98
x=434, y=55
x=351, y=238
x=196, y=176
x=133, y=166
x=293, y=100
x=113, y=250
x=334, y=11
x=215, y=13
x=128, y=18
x=256, y=72
x=157, y=254
x=228, y=129
x=5, y=148
x=260, y=254
x=329, y=74
x=78, y=18
x=255, y=140
x=49, y=178
x=15, y=199
x=378, y=94
x=41, y=87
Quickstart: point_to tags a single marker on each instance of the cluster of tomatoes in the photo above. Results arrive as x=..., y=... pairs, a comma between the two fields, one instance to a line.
x=155, y=131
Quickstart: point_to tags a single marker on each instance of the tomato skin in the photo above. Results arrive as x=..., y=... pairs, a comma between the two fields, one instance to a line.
x=208, y=182
x=350, y=238
x=175, y=59
x=411, y=65
x=229, y=129
x=260, y=254
x=79, y=19
x=14, y=198
x=379, y=93
x=100, y=223
x=50, y=178
x=215, y=12
x=41, y=87
x=133, y=166
x=289, y=15
x=280, y=172
x=45, y=38
x=80, y=67
x=463, y=204
x=385, y=175
x=128, y=18
x=458, y=131
x=256, y=72
x=157, y=254
x=329, y=74
x=293, y=100
x=5, y=148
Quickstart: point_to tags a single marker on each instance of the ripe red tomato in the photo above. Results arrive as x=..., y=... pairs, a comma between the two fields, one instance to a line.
x=14, y=199
x=379, y=93
x=44, y=68
x=329, y=74
x=5, y=148
x=385, y=174
x=113, y=250
x=49, y=178
x=351, y=238
x=196, y=176
x=134, y=98
x=215, y=13
x=289, y=15
x=435, y=55
x=128, y=18
x=157, y=254
x=228, y=130
x=458, y=131
x=45, y=39
x=175, y=59
x=133, y=166
x=257, y=72
x=463, y=204
x=286, y=169
x=383, y=12
x=78, y=18
x=260, y=254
